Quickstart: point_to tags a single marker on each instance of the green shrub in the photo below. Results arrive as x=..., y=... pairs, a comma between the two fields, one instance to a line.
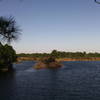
x=48, y=60
x=7, y=56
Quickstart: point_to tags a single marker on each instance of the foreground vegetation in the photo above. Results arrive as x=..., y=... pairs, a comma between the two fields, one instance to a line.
x=7, y=57
x=9, y=31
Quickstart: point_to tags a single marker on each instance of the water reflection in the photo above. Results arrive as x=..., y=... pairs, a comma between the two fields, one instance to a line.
x=75, y=81
x=53, y=78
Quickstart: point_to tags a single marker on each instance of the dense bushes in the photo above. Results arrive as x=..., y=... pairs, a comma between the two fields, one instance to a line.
x=48, y=60
x=7, y=56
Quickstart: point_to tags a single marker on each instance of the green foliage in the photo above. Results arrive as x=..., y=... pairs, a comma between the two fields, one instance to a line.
x=61, y=54
x=7, y=55
x=8, y=29
x=35, y=55
x=48, y=60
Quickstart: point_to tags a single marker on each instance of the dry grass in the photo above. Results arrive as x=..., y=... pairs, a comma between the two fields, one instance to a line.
x=79, y=59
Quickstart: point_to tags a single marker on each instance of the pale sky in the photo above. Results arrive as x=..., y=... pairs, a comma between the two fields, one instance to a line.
x=66, y=25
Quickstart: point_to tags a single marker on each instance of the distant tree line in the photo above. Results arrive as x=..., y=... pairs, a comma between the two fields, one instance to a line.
x=60, y=54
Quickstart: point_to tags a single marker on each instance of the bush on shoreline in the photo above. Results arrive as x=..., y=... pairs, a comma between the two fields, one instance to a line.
x=7, y=56
x=9, y=31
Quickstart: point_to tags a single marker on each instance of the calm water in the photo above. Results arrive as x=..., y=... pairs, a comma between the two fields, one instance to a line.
x=74, y=81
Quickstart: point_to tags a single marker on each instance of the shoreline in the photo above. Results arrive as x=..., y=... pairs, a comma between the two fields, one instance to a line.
x=79, y=59
x=19, y=59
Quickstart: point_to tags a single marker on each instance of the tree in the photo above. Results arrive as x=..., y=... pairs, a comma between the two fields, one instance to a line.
x=97, y=1
x=7, y=56
x=9, y=31
x=54, y=53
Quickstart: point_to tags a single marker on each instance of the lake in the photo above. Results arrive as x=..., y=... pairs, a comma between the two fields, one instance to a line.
x=76, y=80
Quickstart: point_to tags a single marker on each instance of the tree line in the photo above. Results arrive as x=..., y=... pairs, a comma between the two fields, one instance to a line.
x=60, y=54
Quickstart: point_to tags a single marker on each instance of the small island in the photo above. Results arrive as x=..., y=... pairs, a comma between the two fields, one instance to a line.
x=47, y=62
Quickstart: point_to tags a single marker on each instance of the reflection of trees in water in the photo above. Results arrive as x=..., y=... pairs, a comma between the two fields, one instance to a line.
x=7, y=85
x=7, y=75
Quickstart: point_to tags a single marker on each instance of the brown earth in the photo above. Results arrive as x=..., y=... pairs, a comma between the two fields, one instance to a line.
x=79, y=59
x=60, y=59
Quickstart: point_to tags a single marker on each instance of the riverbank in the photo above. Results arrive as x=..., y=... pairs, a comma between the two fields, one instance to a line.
x=79, y=59
x=20, y=59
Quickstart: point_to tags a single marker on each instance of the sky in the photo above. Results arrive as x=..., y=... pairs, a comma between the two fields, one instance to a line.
x=64, y=25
